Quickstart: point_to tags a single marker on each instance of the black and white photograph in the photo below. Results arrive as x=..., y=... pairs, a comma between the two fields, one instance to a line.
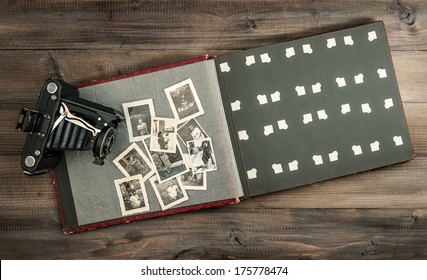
x=169, y=193
x=132, y=161
x=191, y=130
x=132, y=195
x=163, y=135
x=184, y=101
x=167, y=165
x=138, y=116
x=193, y=181
x=202, y=156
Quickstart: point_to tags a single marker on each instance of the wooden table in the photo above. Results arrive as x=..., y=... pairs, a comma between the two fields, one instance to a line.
x=376, y=214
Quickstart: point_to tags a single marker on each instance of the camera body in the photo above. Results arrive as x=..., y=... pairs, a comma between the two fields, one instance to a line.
x=64, y=121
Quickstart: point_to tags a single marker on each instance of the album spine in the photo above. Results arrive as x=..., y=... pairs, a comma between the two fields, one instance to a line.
x=232, y=129
x=129, y=219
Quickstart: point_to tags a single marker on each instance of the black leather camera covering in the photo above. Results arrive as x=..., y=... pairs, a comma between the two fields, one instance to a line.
x=52, y=128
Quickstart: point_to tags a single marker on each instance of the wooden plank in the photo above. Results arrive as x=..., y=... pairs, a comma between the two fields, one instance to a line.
x=24, y=72
x=22, y=78
x=409, y=68
x=195, y=24
x=230, y=233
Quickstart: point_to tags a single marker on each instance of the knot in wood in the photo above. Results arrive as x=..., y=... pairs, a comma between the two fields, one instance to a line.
x=236, y=237
x=373, y=244
x=413, y=217
x=363, y=253
x=406, y=14
x=251, y=23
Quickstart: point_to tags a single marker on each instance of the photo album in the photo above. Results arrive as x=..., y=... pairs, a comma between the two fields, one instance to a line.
x=213, y=131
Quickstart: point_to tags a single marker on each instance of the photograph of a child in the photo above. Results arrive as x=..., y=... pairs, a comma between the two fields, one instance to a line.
x=169, y=193
x=202, y=156
x=132, y=161
x=184, y=101
x=163, y=135
x=167, y=165
x=132, y=195
x=138, y=116
x=191, y=130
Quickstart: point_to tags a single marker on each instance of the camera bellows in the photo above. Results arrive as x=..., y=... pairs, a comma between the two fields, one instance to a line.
x=68, y=136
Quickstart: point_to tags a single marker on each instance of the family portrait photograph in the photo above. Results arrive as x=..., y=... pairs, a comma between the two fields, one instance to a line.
x=163, y=135
x=169, y=193
x=132, y=195
x=132, y=161
x=184, y=101
x=202, y=157
x=191, y=130
x=138, y=116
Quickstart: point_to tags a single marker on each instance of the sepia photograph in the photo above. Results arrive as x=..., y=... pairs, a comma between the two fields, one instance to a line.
x=138, y=116
x=132, y=161
x=184, y=101
x=167, y=165
x=191, y=130
x=169, y=193
x=132, y=195
x=202, y=157
x=163, y=135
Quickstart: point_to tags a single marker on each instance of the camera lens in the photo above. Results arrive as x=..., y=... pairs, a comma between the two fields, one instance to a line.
x=104, y=143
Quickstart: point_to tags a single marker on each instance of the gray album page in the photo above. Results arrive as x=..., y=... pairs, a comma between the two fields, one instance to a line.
x=96, y=189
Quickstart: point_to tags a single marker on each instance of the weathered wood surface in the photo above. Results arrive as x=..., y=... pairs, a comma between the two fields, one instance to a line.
x=376, y=214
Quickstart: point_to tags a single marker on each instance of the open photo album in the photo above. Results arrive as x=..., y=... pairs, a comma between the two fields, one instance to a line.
x=213, y=131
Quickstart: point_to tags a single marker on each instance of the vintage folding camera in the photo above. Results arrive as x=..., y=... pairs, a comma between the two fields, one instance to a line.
x=64, y=121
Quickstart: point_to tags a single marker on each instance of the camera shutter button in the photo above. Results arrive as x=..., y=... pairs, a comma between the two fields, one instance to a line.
x=51, y=88
x=30, y=161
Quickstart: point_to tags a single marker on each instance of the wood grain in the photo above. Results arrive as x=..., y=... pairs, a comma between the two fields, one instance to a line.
x=380, y=214
x=195, y=24
x=230, y=233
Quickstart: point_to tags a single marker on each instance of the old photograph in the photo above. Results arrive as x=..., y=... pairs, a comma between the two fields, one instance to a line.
x=132, y=161
x=202, y=156
x=184, y=101
x=193, y=181
x=169, y=193
x=163, y=135
x=132, y=195
x=138, y=116
x=167, y=165
x=191, y=130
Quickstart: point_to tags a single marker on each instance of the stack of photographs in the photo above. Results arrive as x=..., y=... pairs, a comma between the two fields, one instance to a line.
x=170, y=170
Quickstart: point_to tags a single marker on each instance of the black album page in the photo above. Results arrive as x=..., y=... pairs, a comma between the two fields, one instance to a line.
x=314, y=109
